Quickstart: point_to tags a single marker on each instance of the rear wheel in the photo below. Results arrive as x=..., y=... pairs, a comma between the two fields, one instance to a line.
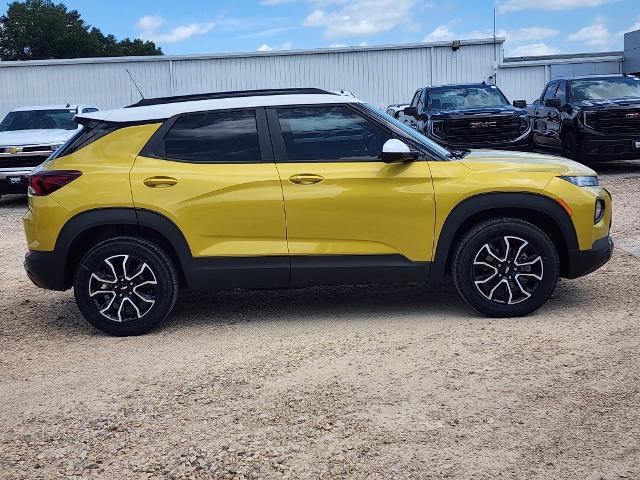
x=125, y=286
x=505, y=267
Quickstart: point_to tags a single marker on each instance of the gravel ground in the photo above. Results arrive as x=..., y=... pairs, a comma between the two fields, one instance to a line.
x=355, y=382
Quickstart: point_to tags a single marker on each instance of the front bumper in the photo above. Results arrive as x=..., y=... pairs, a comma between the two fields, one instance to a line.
x=46, y=270
x=14, y=180
x=584, y=262
x=612, y=147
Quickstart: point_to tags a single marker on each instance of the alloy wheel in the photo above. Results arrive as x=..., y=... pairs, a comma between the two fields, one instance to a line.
x=507, y=270
x=123, y=288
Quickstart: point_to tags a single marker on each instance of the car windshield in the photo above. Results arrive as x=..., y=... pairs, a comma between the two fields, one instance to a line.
x=466, y=97
x=39, y=119
x=605, y=89
x=413, y=133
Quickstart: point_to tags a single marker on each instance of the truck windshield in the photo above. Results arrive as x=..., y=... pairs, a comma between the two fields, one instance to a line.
x=414, y=134
x=39, y=119
x=466, y=97
x=605, y=89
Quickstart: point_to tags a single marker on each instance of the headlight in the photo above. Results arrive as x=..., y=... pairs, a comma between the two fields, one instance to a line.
x=437, y=127
x=524, y=123
x=581, y=181
x=588, y=119
x=56, y=146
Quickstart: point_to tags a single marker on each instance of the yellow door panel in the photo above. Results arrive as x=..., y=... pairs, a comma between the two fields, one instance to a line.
x=221, y=209
x=350, y=208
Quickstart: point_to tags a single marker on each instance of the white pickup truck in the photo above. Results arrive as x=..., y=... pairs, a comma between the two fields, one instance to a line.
x=29, y=135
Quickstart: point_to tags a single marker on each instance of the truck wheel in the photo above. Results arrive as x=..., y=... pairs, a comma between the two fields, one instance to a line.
x=570, y=146
x=125, y=286
x=505, y=267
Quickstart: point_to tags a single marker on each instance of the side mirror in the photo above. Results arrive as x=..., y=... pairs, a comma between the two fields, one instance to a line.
x=553, y=103
x=396, y=151
x=411, y=111
x=520, y=103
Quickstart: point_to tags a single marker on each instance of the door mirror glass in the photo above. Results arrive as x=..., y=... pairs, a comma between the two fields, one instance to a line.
x=520, y=103
x=553, y=103
x=396, y=151
x=411, y=111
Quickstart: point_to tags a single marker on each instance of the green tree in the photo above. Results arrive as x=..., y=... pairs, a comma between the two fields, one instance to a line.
x=41, y=29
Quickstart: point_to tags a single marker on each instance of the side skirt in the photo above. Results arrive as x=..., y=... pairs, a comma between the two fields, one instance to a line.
x=277, y=272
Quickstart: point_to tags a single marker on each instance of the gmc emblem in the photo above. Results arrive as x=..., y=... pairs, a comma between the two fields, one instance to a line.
x=632, y=116
x=483, y=124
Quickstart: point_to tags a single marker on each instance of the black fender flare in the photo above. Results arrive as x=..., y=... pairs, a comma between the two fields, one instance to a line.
x=485, y=202
x=118, y=217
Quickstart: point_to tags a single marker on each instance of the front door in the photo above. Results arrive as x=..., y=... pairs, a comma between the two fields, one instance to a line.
x=350, y=217
x=213, y=175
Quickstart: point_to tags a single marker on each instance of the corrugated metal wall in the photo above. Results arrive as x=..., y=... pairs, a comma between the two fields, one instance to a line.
x=379, y=75
x=522, y=83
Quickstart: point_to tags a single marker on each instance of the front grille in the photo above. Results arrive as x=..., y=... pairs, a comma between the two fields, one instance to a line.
x=615, y=121
x=482, y=130
x=18, y=162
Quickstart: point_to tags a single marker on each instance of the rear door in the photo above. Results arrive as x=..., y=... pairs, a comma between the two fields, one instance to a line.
x=554, y=117
x=213, y=175
x=351, y=218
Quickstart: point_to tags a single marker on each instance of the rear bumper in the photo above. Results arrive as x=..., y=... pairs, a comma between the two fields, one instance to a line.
x=584, y=262
x=45, y=270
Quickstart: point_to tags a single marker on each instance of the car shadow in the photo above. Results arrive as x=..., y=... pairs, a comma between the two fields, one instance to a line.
x=13, y=201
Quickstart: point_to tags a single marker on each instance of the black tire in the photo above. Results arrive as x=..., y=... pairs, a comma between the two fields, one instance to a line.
x=127, y=267
x=485, y=250
x=570, y=146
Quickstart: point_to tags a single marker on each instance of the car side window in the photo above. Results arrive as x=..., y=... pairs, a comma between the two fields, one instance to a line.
x=550, y=91
x=421, y=106
x=330, y=134
x=561, y=93
x=217, y=137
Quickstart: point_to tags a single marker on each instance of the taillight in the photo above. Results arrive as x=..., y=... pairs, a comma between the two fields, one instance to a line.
x=46, y=182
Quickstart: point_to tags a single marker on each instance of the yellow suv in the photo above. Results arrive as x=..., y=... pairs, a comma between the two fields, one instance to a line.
x=292, y=188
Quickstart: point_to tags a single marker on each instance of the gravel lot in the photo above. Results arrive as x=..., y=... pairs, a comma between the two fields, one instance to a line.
x=356, y=382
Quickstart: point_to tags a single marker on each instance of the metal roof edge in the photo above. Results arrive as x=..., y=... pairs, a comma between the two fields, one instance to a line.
x=314, y=51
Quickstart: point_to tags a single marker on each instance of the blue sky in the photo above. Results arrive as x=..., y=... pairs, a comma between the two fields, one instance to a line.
x=531, y=27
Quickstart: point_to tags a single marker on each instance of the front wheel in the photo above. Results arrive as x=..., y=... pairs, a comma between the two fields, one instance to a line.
x=505, y=267
x=125, y=286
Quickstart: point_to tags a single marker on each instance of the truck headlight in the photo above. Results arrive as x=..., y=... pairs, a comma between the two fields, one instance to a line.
x=437, y=127
x=588, y=119
x=581, y=181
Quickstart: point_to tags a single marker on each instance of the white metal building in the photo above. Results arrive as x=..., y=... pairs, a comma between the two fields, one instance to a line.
x=380, y=75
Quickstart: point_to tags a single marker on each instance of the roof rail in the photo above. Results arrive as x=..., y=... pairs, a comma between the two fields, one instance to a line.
x=238, y=93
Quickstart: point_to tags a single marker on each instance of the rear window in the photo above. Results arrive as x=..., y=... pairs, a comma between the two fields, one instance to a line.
x=218, y=137
x=39, y=120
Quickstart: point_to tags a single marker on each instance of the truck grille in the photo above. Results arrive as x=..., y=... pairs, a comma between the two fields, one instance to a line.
x=616, y=121
x=18, y=162
x=482, y=130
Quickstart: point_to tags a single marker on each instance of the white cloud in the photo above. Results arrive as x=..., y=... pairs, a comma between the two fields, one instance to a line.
x=359, y=17
x=265, y=47
x=150, y=26
x=276, y=2
x=445, y=33
x=515, y=5
x=270, y=32
x=535, y=49
x=594, y=35
x=632, y=28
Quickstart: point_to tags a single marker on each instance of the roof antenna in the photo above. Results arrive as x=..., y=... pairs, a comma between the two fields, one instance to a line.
x=134, y=83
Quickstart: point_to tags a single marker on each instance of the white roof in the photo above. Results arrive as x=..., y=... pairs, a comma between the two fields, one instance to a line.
x=166, y=110
x=52, y=107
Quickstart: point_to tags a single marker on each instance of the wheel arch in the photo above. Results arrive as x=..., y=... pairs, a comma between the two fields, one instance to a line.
x=541, y=211
x=88, y=228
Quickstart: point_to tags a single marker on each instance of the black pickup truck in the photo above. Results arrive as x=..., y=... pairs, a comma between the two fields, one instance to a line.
x=470, y=116
x=589, y=118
